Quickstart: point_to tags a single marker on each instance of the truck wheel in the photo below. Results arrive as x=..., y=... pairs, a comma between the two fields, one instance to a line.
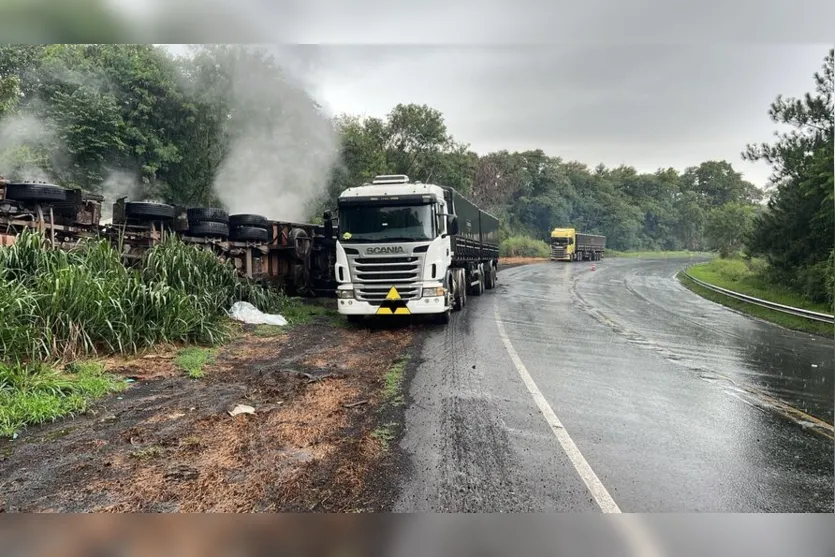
x=256, y=221
x=35, y=192
x=249, y=234
x=210, y=214
x=148, y=210
x=490, y=277
x=207, y=229
x=460, y=299
x=478, y=289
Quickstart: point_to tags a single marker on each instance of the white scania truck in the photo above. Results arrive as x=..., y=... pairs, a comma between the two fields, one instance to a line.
x=411, y=248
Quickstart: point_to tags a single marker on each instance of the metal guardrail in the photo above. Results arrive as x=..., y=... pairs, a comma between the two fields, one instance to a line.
x=813, y=315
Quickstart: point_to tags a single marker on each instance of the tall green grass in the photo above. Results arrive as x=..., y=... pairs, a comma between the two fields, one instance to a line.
x=60, y=305
x=523, y=246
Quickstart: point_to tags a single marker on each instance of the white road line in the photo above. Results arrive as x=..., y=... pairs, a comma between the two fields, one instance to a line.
x=593, y=483
x=638, y=538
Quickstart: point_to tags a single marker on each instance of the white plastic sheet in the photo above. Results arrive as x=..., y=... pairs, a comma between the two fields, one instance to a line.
x=247, y=313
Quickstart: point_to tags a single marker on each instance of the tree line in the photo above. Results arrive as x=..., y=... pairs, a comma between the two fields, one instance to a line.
x=82, y=114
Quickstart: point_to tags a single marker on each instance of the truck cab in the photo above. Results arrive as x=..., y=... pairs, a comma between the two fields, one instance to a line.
x=563, y=244
x=399, y=250
x=393, y=248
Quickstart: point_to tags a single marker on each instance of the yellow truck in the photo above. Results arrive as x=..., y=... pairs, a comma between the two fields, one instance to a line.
x=569, y=245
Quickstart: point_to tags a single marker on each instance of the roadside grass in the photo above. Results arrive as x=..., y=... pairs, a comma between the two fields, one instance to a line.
x=658, y=254
x=393, y=381
x=35, y=393
x=745, y=277
x=193, y=360
x=393, y=398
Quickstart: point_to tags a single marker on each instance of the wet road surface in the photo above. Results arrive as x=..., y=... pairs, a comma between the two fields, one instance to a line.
x=659, y=400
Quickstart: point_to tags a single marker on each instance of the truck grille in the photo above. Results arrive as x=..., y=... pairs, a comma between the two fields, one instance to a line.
x=557, y=252
x=373, y=277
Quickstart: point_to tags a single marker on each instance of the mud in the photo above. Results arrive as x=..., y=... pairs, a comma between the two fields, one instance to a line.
x=168, y=443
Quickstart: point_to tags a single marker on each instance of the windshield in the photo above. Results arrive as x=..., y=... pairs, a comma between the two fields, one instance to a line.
x=386, y=223
x=560, y=241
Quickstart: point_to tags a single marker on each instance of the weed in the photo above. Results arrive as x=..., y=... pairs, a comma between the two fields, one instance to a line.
x=147, y=452
x=194, y=359
x=36, y=393
x=393, y=379
x=385, y=434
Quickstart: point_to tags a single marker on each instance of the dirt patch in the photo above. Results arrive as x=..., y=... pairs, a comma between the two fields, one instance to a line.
x=168, y=443
x=508, y=262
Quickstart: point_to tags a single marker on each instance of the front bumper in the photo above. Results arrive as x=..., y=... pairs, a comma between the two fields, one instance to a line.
x=423, y=306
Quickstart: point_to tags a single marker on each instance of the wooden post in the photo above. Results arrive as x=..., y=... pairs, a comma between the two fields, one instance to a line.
x=51, y=226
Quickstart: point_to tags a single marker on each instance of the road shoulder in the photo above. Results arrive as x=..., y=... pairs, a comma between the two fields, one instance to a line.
x=326, y=414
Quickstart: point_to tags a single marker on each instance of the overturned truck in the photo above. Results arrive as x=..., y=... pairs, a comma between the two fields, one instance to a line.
x=297, y=257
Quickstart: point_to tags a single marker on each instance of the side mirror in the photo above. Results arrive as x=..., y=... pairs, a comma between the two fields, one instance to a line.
x=452, y=224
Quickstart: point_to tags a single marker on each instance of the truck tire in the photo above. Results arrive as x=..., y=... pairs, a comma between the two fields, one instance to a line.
x=35, y=192
x=208, y=229
x=147, y=210
x=249, y=234
x=249, y=220
x=459, y=299
x=201, y=214
x=478, y=289
x=490, y=277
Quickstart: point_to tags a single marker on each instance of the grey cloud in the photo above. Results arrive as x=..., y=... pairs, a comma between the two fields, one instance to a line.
x=648, y=105
x=425, y=22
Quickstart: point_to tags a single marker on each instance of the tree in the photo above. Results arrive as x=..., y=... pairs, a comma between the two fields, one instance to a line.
x=728, y=227
x=717, y=183
x=796, y=230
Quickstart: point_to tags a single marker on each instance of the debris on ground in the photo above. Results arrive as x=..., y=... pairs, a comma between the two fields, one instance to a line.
x=251, y=315
x=241, y=409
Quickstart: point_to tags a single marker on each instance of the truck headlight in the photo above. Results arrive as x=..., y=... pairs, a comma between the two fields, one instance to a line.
x=345, y=294
x=434, y=291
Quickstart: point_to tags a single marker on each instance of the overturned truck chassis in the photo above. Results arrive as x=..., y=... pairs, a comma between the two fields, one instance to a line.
x=299, y=258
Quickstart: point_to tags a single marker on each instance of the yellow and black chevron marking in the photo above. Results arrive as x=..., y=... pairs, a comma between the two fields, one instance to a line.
x=393, y=304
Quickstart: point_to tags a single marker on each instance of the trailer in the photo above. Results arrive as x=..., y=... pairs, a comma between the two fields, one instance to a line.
x=296, y=257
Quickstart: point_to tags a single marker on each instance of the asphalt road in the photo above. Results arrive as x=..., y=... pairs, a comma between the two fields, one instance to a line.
x=568, y=389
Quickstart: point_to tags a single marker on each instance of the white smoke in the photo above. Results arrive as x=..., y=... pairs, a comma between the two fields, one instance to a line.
x=282, y=151
x=27, y=148
x=117, y=184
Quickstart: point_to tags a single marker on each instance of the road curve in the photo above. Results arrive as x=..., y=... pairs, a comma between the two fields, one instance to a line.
x=671, y=402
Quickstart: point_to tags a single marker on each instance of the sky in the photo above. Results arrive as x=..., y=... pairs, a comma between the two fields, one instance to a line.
x=649, y=106
x=648, y=83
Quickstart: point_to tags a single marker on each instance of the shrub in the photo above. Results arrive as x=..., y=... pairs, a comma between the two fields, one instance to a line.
x=523, y=246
